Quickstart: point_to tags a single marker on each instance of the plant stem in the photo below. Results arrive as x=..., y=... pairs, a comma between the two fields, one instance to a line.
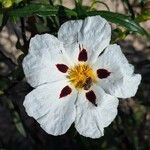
x=130, y=9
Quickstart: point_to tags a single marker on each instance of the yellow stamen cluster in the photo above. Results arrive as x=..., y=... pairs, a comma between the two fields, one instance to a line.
x=81, y=75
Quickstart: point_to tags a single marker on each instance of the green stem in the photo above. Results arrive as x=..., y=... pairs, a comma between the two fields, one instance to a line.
x=130, y=9
x=51, y=2
x=94, y=2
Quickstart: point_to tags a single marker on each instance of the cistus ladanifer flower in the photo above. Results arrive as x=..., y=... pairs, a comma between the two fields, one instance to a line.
x=78, y=78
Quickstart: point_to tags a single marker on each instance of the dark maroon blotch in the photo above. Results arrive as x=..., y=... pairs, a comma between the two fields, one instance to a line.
x=65, y=91
x=91, y=97
x=103, y=73
x=62, y=68
x=82, y=55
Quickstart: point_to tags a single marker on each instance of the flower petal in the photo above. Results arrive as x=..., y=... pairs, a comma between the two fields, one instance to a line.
x=93, y=34
x=45, y=51
x=90, y=120
x=123, y=88
x=121, y=82
x=54, y=115
x=107, y=106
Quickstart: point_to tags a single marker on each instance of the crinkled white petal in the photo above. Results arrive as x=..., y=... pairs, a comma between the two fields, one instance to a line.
x=107, y=106
x=123, y=88
x=73, y=51
x=91, y=120
x=85, y=122
x=55, y=115
x=93, y=33
x=45, y=51
x=46, y=41
x=122, y=82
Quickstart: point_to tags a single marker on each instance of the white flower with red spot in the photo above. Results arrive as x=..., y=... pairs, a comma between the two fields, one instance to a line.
x=77, y=78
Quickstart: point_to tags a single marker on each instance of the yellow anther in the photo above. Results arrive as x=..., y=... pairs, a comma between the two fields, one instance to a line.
x=81, y=76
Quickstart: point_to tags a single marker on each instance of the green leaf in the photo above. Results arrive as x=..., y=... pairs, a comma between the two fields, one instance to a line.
x=117, y=35
x=81, y=10
x=18, y=124
x=17, y=1
x=70, y=12
x=144, y=16
x=16, y=118
x=121, y=20
x=41, y=28
x=31, y=9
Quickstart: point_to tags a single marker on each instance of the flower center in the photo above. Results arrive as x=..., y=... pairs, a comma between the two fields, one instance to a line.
x=81, y=76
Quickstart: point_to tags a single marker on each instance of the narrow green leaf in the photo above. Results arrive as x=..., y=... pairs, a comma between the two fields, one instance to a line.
x=32, y=9
x=118, y=34
x=121, y=20
x=39, y=9
x=80, y=9
x=41, y=28
x=70, y=12
x=18, y=124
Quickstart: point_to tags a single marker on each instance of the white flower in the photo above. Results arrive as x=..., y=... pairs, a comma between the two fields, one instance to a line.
x=74, y=81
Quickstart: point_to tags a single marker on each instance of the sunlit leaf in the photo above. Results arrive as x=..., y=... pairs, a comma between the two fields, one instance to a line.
x=121, y=20
x=144, y=16
x=70, y=12
x=118, y=35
